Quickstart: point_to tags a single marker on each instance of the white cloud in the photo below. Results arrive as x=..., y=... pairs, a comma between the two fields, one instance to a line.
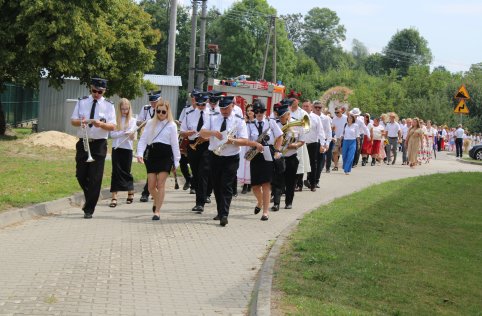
x=359, y=9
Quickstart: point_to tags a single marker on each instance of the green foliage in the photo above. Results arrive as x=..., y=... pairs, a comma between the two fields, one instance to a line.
x=406, y=48
x=391, y=249
x=109, y=38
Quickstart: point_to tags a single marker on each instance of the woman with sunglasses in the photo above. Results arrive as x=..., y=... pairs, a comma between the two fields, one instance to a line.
x=262, y=169
x=122, y=179
x=160, y=146
x=244, y=173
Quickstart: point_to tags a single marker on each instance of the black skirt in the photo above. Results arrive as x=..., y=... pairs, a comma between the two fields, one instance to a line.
x=122, y=179
x=159, y=158
x=261, y=170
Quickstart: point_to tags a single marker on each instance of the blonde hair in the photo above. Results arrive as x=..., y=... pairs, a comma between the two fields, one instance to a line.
x=119, y=126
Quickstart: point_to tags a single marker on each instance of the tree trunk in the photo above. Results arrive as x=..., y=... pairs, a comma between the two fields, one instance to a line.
x=3, y=123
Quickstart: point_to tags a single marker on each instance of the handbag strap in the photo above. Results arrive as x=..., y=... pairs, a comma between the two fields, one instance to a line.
x=158, y=133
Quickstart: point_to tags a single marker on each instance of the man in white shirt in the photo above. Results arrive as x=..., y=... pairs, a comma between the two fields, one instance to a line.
x=298, y=113
x=96, y=117
x=325, y=151
x=405, y=128
x=338, y=122
x=313, y=139
x=394, y=134
x=459, y=140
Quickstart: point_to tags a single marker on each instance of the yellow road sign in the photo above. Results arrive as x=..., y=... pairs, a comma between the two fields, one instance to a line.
x=461, y=108
x=462, y=93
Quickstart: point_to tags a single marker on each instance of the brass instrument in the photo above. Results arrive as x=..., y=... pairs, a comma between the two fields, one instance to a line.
x=217, y=151
x=289, y=139
x=252, y=152
x=198, y=141
x=86, y=140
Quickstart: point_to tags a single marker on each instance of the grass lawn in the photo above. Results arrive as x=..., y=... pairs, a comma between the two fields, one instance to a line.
x=32, y=175
x=407, y=247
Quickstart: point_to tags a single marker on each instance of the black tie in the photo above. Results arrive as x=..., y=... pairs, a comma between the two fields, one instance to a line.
x=92, y=111
x=200, y=123
x=223, y=126
x=260, y=128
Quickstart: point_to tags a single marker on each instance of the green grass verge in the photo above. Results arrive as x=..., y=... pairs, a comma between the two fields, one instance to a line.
x=407, y=247
x=31, y=175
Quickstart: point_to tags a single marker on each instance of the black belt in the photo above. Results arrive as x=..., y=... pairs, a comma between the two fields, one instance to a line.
x=393, y=137
x=92, y=139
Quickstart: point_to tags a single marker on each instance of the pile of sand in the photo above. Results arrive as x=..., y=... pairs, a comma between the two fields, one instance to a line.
x=51, y=139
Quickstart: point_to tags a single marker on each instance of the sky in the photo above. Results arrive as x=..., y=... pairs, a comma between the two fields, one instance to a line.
x=453, y=29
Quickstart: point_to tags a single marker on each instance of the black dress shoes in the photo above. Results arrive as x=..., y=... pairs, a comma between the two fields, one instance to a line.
x=245, y=189
x=87, y=215
x=192, y=191
x=257, y=210
x=224, y=221
x=307, y=184
x=144, y=198
x=156, y=218
x=198, y=208
x=264, y=217
x=186, y=185
x=208, y=199
x=288, y=207
x=216, y=218
x=275, y=208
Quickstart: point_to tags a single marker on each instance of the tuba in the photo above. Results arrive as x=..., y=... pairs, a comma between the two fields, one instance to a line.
x=289, y=139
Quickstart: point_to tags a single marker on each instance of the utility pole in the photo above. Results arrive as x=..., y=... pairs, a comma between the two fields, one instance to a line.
x=192, y=51
x=274, y=50
x=202, y=46
x=171, y=46
x=268, y=40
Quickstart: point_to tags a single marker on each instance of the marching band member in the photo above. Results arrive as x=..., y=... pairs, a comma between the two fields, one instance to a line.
x=158, y=148
x=122, y=179
x=261, y=168
x=101, y=115
x=147, y=112
x=225, y=157
x=294, y=140
x=197, y=151
x=315, y=143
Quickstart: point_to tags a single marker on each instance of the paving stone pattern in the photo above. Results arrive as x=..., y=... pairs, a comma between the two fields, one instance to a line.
x=123, y=263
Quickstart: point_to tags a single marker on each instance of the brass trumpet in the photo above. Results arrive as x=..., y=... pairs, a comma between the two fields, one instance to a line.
x=198, y=141
x=289, y=139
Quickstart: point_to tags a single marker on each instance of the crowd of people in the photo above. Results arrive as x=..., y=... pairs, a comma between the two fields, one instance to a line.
x=218, y=147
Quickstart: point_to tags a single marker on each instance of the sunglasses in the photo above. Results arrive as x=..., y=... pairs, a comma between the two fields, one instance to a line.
x=258, y=111
x=317, y=107
x=97, y=91
x=164, y=112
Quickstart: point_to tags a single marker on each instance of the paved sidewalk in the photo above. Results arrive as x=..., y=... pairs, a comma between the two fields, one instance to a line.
x=123, y=263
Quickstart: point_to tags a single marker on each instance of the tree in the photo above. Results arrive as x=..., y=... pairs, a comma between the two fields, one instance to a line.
x=374, y=65
x=359, y=52
x=294, y=28
x=109, y=38
x=322, y=37
x=406, y=48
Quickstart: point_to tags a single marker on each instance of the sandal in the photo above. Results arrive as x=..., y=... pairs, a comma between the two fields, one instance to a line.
x=130, y=198
x=113, y=203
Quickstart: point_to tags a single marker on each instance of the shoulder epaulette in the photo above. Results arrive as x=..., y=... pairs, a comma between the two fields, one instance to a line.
x=109, y=101
x=277, y=120
x=238, y=116
x=84, y=97
x=215, y=113
x=146, y=107
x=187, y=106
x=189, y=112
x=250, y=122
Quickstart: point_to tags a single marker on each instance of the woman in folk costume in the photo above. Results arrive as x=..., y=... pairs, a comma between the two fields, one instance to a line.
x=297, y=113
x=414, y=143
x=422, y=153
x=243, y=173
x=430, y=139
x=160, y=146
x=122, y=146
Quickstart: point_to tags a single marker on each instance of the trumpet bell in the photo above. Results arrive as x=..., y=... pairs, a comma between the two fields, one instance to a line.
x=304, y=122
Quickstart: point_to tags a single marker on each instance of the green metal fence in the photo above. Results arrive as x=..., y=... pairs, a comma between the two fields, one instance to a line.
x=19, y=104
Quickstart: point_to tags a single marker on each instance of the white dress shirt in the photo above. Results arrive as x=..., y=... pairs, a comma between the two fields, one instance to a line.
x=119, y=135
x=191, y=120
x=184, y=111
x=104, y=109
x=326, y=122
x=392, y=129
x=351, y=132
x=459, y=133
x=362, y=127
x=233, y=121
x=147, y=112
x=405, y=129
x=316, y=132
x=298, y=114
x=160, y=132
x=274, y=133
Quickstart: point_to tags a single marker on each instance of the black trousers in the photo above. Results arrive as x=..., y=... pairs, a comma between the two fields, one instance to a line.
x=359, y=146
x=458, y=147
x=286, y=180
x=223, y=173
x=313, y=153
x=89, y=174
x=199, y=162
x=324, y=160
x=184, y=168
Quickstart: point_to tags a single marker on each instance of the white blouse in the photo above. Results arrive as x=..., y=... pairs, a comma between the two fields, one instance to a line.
x=351, y=131
x=119, y=136
x=160, y=132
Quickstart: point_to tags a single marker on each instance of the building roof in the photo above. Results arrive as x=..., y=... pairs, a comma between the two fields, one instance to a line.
x=163, y=80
